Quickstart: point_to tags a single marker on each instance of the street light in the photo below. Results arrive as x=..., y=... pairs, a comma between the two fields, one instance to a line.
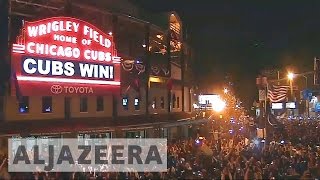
x=218, y=105
x=290, y=76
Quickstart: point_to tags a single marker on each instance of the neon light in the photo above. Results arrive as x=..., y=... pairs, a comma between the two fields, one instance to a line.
x=64, y=80
x=62, y=38
x=43, y=29
x=97, y=55
x=18, y=47
x=116, y=58
x=53, y=50
x=67, y=37
x=96, y=36
x=17, y=51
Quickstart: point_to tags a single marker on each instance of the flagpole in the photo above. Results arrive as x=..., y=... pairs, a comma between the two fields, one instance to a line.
x=278, y=77
x=291, y=89
x=265, y=99
x=265, y=112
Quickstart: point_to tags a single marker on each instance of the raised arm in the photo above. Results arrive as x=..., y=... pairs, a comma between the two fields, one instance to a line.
x=3, y=163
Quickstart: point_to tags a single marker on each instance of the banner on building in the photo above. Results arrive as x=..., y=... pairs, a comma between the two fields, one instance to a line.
x=262, y=95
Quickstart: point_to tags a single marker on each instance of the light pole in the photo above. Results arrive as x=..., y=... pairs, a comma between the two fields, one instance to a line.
x=307, y=98
x=290, y=77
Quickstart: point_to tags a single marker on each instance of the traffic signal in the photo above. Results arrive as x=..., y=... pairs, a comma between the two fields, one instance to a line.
x=316, y=71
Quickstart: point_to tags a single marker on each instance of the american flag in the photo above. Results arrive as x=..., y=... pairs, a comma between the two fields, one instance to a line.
x=277, y=93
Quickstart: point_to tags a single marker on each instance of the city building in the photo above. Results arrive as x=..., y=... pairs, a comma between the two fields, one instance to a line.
x=135, y=76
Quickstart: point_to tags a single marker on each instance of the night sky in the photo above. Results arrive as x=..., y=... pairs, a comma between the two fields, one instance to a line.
x=243, y=38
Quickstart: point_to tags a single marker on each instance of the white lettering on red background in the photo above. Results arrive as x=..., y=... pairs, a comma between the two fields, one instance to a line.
x=53, y=50
x=67, y=26
x=55, y=26
x=96, y=36
x=59, y=29
x=67, y=51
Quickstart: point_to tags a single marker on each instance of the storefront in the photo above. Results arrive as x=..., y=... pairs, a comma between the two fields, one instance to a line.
x=95, y=135
x=164, y=133
x=136, y=134
x=40, y=140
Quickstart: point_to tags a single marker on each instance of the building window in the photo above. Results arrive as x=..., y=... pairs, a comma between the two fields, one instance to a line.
x=100, y=105
x=178, y=102
x=24, y=105
x=125, y=103
x=83, y=104
x=162, y=102
x=47, y=104
x=173, y=101
x=154, y=103
x=136, y=104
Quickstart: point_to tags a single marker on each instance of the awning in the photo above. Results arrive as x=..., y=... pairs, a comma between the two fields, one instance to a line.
x=91, y=124
x=185, y=122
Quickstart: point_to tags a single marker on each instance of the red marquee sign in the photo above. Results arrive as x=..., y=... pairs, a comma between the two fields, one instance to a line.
x=63, y=55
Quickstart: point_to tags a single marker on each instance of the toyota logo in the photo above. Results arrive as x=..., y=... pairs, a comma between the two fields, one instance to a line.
x=56, y=89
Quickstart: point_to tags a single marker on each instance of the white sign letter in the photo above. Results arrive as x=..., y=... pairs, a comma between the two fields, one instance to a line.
x=26, y=66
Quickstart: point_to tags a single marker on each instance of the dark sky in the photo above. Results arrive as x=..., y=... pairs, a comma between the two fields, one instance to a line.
x=243, y=38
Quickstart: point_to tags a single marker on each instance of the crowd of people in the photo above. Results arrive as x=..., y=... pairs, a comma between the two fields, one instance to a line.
x=293, y=153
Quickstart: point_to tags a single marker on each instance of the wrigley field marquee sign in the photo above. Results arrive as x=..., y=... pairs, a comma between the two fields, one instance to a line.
x=63, y=55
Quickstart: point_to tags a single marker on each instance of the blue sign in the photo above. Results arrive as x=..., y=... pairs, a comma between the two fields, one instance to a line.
x=307, y=94
x=317, y=107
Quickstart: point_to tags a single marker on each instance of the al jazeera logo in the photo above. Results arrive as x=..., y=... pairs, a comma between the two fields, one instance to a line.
x=56, y=89
x=87, y=155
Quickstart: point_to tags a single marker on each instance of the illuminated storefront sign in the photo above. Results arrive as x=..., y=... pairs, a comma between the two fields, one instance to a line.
x=291, y=105
x=277, y=106
x=63, y=55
